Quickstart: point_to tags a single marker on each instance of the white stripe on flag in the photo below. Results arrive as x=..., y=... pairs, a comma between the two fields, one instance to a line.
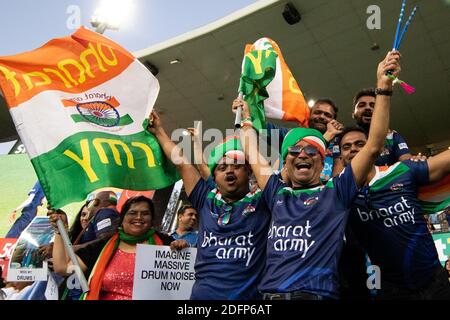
x=273, y=105
x=46, y=108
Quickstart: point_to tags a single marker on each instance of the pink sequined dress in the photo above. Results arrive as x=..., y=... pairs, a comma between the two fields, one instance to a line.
x=118, y=280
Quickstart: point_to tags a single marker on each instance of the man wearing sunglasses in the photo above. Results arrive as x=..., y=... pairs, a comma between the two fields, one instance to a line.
x=323, y=115
x=308, y=218
x=388, y=221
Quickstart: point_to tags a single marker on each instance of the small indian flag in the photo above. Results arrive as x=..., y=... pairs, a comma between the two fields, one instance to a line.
x=79, y=103
x=268, y=84
x=435, y=197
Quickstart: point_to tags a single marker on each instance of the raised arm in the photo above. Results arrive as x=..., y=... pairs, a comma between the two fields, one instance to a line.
x=249, y=140
x=61, y=260
x=199, y=160
x=365, y=159
x=439, y=166
x=334, y=128
x=188, y=172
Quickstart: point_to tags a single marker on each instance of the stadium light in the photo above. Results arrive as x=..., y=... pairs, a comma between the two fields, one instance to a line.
x=111, y=14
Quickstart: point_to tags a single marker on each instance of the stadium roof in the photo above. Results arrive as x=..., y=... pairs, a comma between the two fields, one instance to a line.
x=330, y=52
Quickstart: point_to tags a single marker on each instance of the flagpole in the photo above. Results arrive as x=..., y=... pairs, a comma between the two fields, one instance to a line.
x=73, y=257
x=237, y=120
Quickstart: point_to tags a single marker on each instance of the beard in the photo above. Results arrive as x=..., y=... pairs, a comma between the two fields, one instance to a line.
x=319, y=125
x=364, y=123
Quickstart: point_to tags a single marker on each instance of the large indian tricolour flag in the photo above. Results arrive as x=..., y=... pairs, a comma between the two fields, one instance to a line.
x=79, y=105
x=269, y=86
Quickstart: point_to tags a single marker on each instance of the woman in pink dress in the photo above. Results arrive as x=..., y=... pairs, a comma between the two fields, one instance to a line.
x=110, y=262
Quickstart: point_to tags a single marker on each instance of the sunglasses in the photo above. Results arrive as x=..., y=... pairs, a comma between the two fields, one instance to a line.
x=309, y=150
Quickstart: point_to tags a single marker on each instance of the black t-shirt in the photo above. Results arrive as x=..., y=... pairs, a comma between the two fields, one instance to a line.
x=91, y=252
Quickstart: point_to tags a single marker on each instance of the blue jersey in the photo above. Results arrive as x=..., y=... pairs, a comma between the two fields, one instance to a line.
x=394, y=147
x=230, y=255
x=306, y=235
x=190, y=237
x=387, y=220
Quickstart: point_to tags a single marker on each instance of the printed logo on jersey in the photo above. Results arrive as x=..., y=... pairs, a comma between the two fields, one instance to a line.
x=291, y=238
x=231, y=248
x=397, y=187
x=397, y=214
x=310, y=201
x=402, y=145
x=248, y=210
x=385, y=152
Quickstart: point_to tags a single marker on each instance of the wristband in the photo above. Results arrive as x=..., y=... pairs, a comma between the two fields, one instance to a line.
x=383, y=92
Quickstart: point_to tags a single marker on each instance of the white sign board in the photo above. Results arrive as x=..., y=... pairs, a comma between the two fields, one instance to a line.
x=26, y=262
x=163, y=274
x=51, y=291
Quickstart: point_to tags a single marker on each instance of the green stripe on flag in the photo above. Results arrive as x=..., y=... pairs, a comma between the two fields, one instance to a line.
x=434, y=207
x=258, y=71
x=125, y=120
x=88, y=161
